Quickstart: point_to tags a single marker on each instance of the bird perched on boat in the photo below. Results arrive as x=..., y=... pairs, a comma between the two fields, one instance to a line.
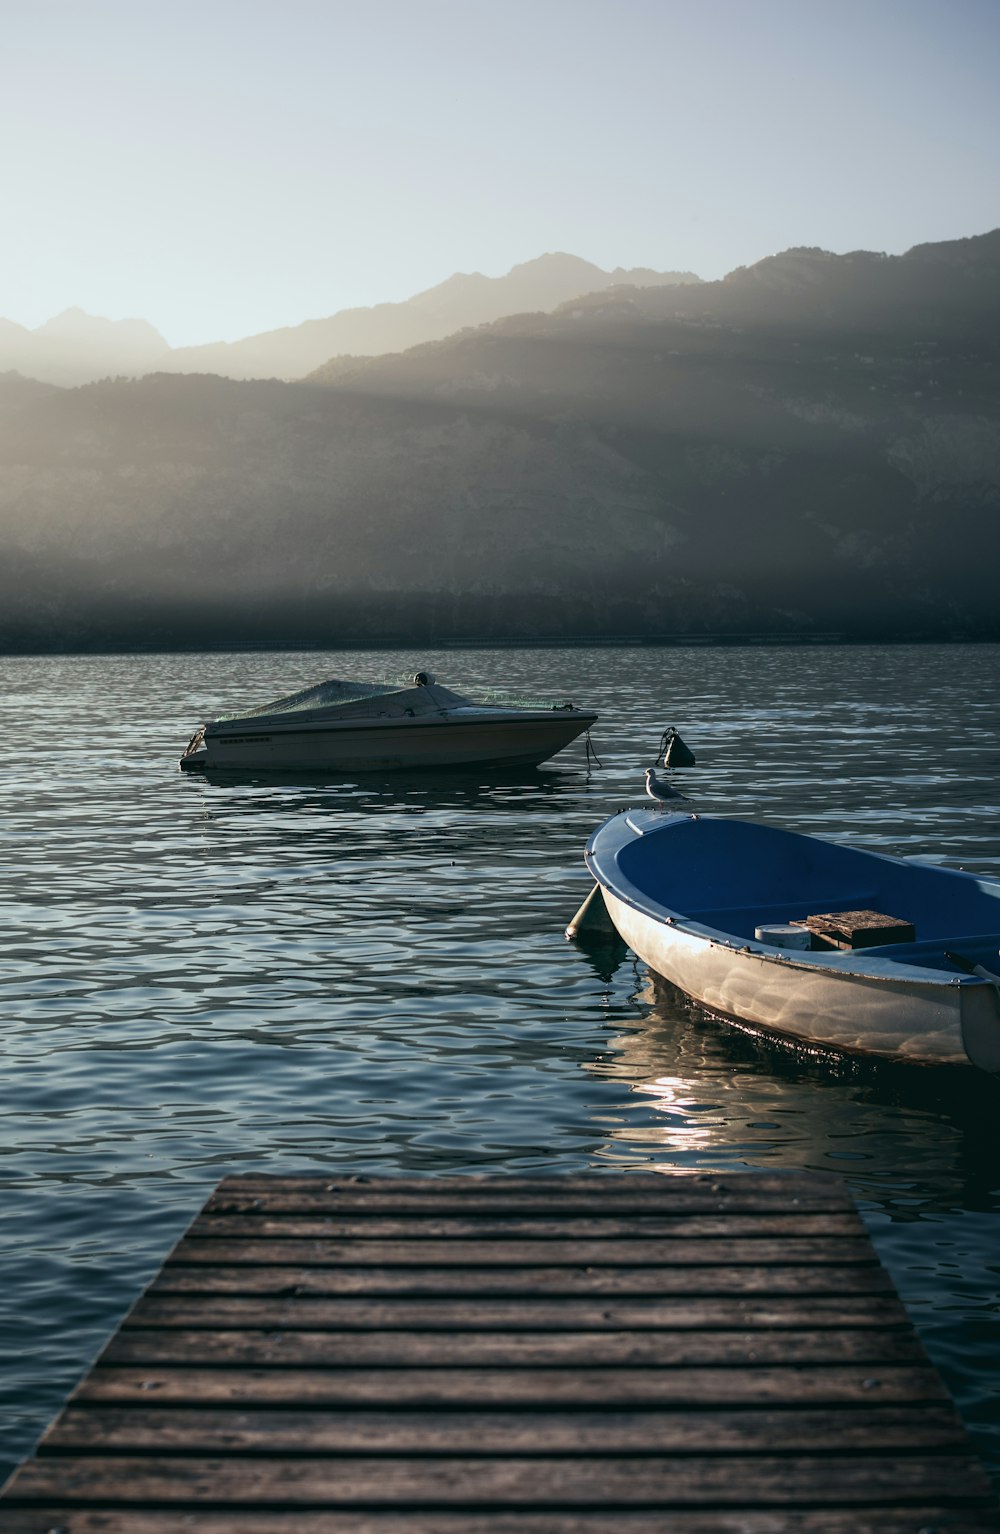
x=662, y=792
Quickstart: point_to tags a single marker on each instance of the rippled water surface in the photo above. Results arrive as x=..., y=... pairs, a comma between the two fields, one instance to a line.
x=372, y=975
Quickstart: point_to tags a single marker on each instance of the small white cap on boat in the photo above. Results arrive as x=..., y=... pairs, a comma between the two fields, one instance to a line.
x=780, y=936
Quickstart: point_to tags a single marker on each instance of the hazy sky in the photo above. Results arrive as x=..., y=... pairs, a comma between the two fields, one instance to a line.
x=221, y=167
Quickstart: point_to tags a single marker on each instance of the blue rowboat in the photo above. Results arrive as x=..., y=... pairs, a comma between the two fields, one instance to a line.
x=711, y=903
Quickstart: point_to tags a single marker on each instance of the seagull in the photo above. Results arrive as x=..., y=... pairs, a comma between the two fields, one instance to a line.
x=657, y=789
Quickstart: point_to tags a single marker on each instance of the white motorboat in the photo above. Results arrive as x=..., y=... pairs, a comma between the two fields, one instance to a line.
x=829, y=946
x=340, y=726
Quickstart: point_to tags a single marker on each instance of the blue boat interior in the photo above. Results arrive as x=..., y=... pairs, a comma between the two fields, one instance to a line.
x=733, y=876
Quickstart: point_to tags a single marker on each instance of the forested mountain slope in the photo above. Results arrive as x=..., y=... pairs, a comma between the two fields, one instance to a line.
x=811, y=445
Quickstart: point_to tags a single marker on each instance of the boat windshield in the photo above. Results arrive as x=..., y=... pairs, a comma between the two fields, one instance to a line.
x=499, y=697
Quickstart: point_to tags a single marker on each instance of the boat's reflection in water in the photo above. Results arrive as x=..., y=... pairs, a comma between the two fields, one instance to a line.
x=710, y=1093
x=456, y=787
x=919, y=1148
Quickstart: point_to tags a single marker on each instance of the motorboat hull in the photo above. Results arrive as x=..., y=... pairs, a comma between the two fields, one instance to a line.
x=861, y=1003
x=521, y=739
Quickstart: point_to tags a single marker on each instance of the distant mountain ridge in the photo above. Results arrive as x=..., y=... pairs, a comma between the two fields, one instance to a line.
x=76, y=348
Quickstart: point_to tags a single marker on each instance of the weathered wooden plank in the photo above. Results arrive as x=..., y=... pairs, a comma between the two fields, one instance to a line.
x=661, y=1251
x=595, y=1481
x=263, y=1225
x=856, y=929
x=819, y=1280
x=712, y=1355
x=304, y=1313
x=625, y=1192
x=422, y=1350
x=719, y=1386
x=909, y=1429
x=916, y=1519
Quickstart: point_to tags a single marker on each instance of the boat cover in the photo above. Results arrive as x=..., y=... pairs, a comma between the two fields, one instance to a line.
x=377, y=698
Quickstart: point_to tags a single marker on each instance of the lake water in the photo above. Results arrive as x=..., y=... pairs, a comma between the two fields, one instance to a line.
x=201, y=978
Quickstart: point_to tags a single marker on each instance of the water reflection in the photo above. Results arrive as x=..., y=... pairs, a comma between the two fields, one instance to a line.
x=713, y=1094
x=431, y=788
x=604, y=952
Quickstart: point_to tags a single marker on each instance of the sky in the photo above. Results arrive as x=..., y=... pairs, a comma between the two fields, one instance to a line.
x=224, y=167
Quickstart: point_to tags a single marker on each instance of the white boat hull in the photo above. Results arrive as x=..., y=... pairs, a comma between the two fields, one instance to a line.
x=391, y=745
x=915, y=1021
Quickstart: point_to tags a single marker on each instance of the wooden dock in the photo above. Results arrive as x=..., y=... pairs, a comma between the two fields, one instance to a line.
x=502, y=1355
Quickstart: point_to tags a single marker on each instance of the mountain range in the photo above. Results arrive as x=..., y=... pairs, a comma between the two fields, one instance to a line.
x=811, y=445
x=76, y=348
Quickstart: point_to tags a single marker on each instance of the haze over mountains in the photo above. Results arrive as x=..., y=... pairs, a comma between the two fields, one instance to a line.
x=810, y=445
x=76, y=348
